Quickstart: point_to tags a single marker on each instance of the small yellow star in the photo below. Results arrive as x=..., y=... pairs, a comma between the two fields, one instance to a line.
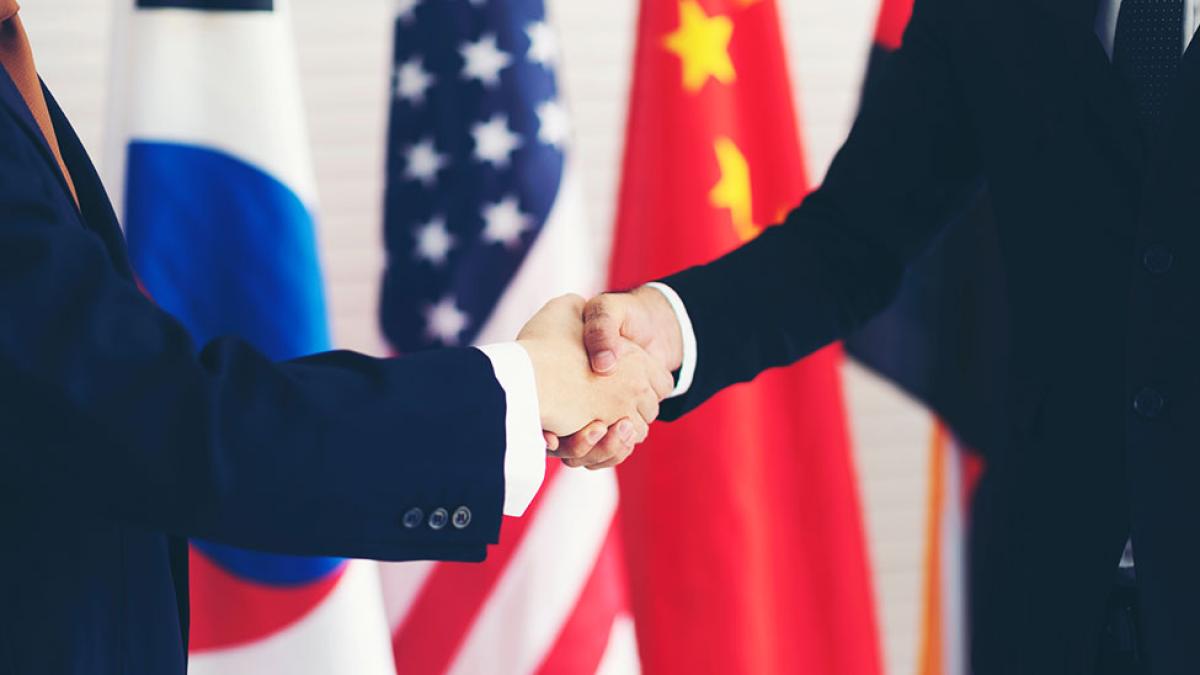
x=733, y=190
x=702, y=43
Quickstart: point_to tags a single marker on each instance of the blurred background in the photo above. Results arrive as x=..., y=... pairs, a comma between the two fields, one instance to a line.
x=344, y=52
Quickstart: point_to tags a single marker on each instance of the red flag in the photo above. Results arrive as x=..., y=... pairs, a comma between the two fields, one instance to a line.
x=742, y=521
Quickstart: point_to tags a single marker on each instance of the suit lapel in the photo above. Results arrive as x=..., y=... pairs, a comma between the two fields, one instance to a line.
x=10, y=96
x=1070, y=32
x=97, y=211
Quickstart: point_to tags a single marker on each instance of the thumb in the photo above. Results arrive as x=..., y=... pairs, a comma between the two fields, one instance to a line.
x=602, y=318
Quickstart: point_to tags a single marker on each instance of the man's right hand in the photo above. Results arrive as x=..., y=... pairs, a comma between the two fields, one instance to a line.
x=615, y=325
x=571, y=396
x=615, y=322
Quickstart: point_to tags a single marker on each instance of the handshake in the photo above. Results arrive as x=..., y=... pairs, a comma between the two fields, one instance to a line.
x=602, y=367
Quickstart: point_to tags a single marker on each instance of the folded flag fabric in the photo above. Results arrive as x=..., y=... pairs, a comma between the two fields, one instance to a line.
x=483, y=223
x=944, y=342
x=211, y=173
x=747, y=555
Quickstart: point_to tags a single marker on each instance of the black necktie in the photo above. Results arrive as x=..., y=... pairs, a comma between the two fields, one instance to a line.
x=1147, y=50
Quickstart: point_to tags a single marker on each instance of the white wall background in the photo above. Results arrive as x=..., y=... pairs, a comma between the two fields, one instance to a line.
x=344, y=52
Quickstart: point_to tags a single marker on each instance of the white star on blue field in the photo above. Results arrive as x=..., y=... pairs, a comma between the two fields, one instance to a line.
x=476, y=137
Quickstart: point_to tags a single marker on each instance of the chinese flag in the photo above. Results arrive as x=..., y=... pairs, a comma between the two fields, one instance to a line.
x=742, y=522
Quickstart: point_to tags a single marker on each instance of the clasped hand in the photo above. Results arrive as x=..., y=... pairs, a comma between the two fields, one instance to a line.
x=598, y=390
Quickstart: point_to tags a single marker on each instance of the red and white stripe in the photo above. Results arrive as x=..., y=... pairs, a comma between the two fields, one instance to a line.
x=344, y=634
x=551, y=597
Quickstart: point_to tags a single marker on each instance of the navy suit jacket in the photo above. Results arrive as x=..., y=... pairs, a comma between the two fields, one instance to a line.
x=119, y=437
x=1099, y=236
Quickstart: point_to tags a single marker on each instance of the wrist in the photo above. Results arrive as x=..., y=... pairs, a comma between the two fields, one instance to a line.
x=557, y=396
x=540, y=380
x=665, y=324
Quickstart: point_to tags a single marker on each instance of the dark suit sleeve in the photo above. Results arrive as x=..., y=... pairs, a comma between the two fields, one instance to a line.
x=909, y=161
x=107, y=411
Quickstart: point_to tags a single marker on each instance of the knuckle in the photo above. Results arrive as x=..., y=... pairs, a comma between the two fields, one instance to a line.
x=595, y=307
x=641, y=431
x=599, y=308
x=648, y=402
x=569, y=302
x=665, y=387
x=568, y=448
x=648, y=407
x=596, y=330
x=620, y=448
x=575, y=302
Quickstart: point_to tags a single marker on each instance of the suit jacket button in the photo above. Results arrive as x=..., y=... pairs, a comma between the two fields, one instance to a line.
x=1149, y=403
x=413, y=517
x=439, y=518
x=1157, y=259
x=462, y=517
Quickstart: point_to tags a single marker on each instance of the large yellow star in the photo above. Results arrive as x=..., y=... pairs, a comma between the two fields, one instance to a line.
x=702, y=43
x=733, y=190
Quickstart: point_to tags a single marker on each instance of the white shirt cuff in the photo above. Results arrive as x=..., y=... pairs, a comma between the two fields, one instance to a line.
x=525, y=447
x=687, y=371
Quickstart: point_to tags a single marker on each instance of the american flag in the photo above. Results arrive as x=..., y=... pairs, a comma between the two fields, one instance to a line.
x=477, y=138
x=484, y=223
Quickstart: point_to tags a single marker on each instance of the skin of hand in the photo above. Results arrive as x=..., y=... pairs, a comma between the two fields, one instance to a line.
x=643, y=317
x=613, y=324
x=570, y=395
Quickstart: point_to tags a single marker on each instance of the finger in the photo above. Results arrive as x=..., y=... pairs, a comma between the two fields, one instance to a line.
x=580, y=443
x=551, y=441
x=641, y=429
x=571, y=302
x=615, y=461
x=602, y=332
x=619, y=437
x=636, y=433
x=662, y=381
x=647, y=407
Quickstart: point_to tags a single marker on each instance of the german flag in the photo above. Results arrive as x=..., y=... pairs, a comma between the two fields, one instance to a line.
x=944, y=342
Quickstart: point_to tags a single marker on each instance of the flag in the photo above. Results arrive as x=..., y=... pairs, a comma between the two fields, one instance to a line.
x=483, y=224
x=954, y=473
x=943, y=341
x=743, y=529
x=944, y=338
x=214, y=182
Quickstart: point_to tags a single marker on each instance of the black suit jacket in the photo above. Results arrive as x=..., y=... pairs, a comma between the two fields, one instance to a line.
x=118, y=437
x=1099, y=230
